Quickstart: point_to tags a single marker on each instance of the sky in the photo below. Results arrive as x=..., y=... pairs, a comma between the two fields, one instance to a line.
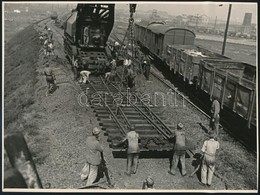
x=210, y=9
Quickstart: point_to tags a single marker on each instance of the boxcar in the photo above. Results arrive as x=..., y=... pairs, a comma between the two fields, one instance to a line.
x=156, y=36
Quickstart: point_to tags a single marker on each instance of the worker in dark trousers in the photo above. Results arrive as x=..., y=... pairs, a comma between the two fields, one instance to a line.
x=49, y=34
x=146, y=67
x=214, y=120
x=130, y=78
x=50, y=78
x=179, y=151
x=133, y=150
x=75, y=63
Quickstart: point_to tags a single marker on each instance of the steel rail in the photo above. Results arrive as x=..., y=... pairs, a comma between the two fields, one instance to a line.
x=161, y=131
x=179, y=93
x=117, y=106
x=122, y=129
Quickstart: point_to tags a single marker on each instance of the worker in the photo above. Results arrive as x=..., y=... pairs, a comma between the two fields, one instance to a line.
x=42, y=38
x=113, y=51
x=117, y=46
x=50, y=78
x=86, y=36
x=133, y=150
x=124, y=50
x=113, y=64
x=146, y=67
x=75, y=67
x=127, y=64
x=49, y=34
x=214, y=120
x=110, y=76
x=49, y=48
x=137, y=52
x=97, y=37
x=179, y=151
x=127, y=61
x=93, y=157
x=84, y=76
x=45, y=47
x=148, y=183
x=209, y=149
x=130, y=78
x=107, y=77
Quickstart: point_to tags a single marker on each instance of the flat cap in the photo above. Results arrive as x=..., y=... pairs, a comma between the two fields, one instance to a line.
x=132, y=127
x=149, y=180
x=212, y=134
x=96, y=131
x=179, y=126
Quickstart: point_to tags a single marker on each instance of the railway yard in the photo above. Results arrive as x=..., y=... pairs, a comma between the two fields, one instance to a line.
x=55, y=127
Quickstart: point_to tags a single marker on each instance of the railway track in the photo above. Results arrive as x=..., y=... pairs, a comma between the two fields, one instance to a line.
x=116, y=115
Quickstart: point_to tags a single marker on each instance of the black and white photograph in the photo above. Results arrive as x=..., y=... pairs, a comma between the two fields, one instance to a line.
x=107, y=96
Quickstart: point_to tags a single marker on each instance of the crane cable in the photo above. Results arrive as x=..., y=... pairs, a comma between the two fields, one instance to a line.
x=129, y=30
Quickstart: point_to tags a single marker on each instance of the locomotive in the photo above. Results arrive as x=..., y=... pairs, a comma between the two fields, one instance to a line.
x=212, y=75
x=86, y=32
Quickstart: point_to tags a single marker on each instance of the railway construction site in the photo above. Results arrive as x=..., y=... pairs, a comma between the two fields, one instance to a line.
x=56, y=126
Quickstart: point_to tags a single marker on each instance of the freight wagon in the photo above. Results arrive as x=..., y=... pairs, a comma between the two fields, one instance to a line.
x=156, y=36
x=218, y=76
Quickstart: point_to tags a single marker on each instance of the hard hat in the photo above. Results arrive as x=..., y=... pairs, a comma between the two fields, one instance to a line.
x=149, y=181
x=96, y=131
x=180, y=126
x=49, y=29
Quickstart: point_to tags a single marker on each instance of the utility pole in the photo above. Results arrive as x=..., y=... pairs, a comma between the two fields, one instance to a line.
x=197, y=20
x=226, y=30
x=215, y=25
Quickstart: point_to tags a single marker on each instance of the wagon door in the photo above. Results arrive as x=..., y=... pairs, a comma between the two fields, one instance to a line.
x=242, y=101
x=206, y=78
x=161, y=52
x=218, y=86
x=168, y=58
x=229, y=96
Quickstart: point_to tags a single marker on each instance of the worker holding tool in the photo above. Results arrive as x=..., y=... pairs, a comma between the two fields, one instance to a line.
x=50, y=78
x=93, y=157
x=179, y=151
x=209, y=150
